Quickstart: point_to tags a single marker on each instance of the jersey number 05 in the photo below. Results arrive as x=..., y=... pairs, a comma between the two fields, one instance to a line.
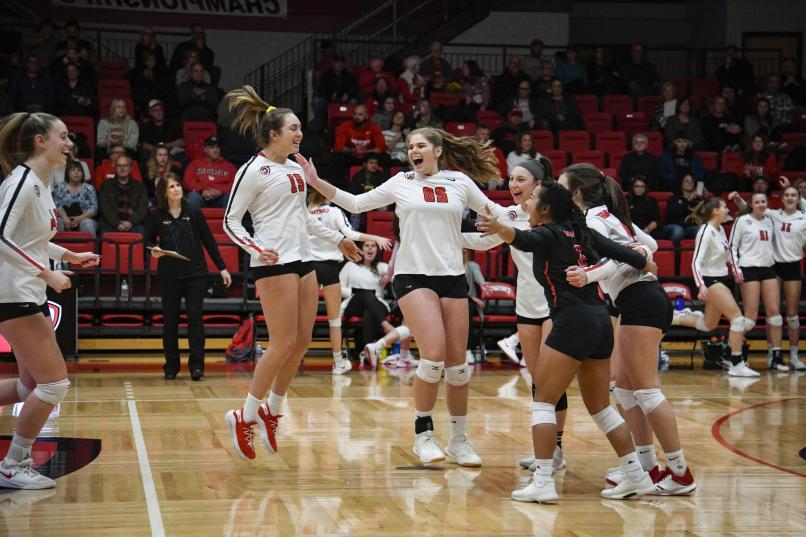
x=437, y=194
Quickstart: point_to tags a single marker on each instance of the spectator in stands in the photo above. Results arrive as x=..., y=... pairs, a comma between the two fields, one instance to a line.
x=573, y=74
x=32, y=90
x=160, y=130
x=781, y=105
x=679, y=161
x=505, y=135
x=524, y=150
x=356, y=138
x=76, y=202
x=106, y=169
x=603, y=77
x=533, y=62
x=209, y=179
x=792, y=83
x=197, y=43
x=640, y=76
x=411, y=83
x=506, y=85
x=367, y=77
x=759, y=185
x=43, y=44
x=383, y=117
x=541, y=86
x=683, y=120
x=640, y=162
x=59, y=174
x=74, y=96
x=644, y=210
x=72, y=32
x=668, y=107
x=424, y=116
x=118, y=128
x=149, y=81
x=435, y=63
x=123, y=203
x=85, y=66
x=182, y=229
x=483, y=135
x=437, y=84
x=736, y=72
x=736, y=107
x=158, y=165
x=720, y=130
x=759, y=122
x=475, y=304
x=679, y=206
x=148, y=44
x=759, y=160
x=475, y=91
x=370, y=176
x=558, y=111
x=197, y=99
x=338, y=84
x=183, y=74
x=526, y=101
x=374, y=99
x=395, y=137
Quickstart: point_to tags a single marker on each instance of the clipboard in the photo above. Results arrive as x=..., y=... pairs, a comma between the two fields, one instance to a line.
x=169, y=253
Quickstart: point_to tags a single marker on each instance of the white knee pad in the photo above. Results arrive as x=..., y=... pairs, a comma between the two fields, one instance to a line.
x=430, y=372
x=53, y=392
x=742, y=324
x=648, y=399
x=775, y=320
x=23, y=391
x=334, y=323
x=625, y=398
x=403, y=331
x=793, y=322
x=543, y=413
x=607, y=419
x=700, y=325
x=457, y=375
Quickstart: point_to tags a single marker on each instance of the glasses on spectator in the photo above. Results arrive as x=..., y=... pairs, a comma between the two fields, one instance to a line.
x=123, y=166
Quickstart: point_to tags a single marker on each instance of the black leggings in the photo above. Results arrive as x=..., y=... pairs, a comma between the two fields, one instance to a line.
x=193, y=290
x=365, y=304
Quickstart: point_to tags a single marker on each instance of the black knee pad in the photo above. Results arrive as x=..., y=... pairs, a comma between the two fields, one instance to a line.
x=562, y=404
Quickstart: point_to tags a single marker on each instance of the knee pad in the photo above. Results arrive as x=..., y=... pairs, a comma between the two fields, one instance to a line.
x=625, y=398
x=793, y=322
x=649, y=399
x=562, y=404
x=543, y=413
x=53, y=392
x=23, y=391
x=457, y=375
x=430, y=372
x=334, y=323
x=775, y=320
x=742, y=324
x=403, y=331
x=700, y=325
x=607, y=419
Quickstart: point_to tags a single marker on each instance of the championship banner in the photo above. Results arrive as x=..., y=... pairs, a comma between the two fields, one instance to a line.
x=237, y=8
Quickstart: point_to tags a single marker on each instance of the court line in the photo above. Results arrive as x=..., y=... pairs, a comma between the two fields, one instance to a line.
x=152, y=502
x=715, y=432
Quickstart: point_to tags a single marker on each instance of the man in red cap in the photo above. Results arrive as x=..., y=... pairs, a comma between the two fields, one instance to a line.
x=208, y=179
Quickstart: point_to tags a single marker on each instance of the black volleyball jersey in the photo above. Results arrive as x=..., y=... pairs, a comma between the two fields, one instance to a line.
x=555, y=248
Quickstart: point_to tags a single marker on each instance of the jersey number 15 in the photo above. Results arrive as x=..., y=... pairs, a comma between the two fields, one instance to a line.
x=437, y=194
x=297, y=183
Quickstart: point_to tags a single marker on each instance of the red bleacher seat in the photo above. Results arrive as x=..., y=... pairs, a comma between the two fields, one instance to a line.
x=648, y=104
x=654, y=142
x=664, y=259
x=664, y=244
x=339, y=113
x=687, y=244
x=558, y=158
x=591, y=156
x=380, y=223
x=490, y=118
x=681, y=85
x=123, y=320
x=709, y=160
x=660, y=196
x=615, y=159
x=77, y=241
x=792, y=139
x=122, y=252
x=543, y=140
x=113, y=69
x=598, y=122
x=574, y=141
x=230, y=253
x=501, y=197
x=611, y=142
x=704, y=87
x=461, y=129
x=114, y=89
x=610, y=172
x=686, y=257
x=617, y=104
x=662, y=210
x=441, y=98
x=587, y=104
x=85, y=126
x=632, y=122
x=732, y=161
x=194, y=133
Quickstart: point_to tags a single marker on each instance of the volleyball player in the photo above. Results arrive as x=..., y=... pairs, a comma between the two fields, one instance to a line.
x=327, y=261
x=561, y=241
x=531, y=308
x=645, y=315
x=31, y=146
x=751, y=244
x=271, y=187
x=429, y=281
x=712, y=257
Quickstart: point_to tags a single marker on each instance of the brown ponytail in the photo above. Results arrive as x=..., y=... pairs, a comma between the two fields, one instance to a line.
x=17, y=134
x=254, y=115
x=703, y=211
x=467, y=155
x=598, y=189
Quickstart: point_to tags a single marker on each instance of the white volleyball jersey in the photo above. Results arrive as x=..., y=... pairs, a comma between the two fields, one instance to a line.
x=600, y=219
x=332, y=218
x=274, y=194
x=357, y=276
x=712, y=254
x=430, y=211
x=751, y=241
x=27, y=223
x=789, y=235
x=530, y=300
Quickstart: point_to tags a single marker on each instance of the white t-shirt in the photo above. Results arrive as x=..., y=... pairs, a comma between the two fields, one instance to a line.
x=430, y=211
x=789, y=236
x=751, y=241
x=27, y=223
x=332, y=218
x=530, y=300
x=357, y=276
x=274, y=194
x=711, y=254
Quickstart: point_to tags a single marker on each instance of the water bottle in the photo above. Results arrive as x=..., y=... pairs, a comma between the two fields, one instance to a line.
x=395, y=348
x=679, y=303
x=124, y=290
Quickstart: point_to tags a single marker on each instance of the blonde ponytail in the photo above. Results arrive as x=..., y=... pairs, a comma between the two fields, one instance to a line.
x=255, y=116
x=467, y=155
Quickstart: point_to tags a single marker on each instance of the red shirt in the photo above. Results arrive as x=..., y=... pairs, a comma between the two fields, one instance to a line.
x=204, y=173
x=366, y=81
x=369, y=136
x=106, y=170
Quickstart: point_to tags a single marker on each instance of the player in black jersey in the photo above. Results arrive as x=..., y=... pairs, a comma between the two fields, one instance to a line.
x=560, y=240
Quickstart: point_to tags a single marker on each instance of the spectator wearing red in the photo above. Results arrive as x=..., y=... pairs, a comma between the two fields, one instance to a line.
x=759, y=161
x=367, y=78
x=356, y=138
x=411, y=83
x=106, y=170
x=208, y=179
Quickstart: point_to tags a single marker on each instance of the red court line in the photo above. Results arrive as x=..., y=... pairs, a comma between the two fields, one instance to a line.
x=715, y=431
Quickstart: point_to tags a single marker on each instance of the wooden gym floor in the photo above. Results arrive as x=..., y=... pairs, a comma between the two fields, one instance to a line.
x=344, y=467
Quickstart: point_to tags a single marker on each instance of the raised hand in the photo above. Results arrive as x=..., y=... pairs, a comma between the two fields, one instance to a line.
x=307, y=166
x=350, y=250
x=488, y=223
